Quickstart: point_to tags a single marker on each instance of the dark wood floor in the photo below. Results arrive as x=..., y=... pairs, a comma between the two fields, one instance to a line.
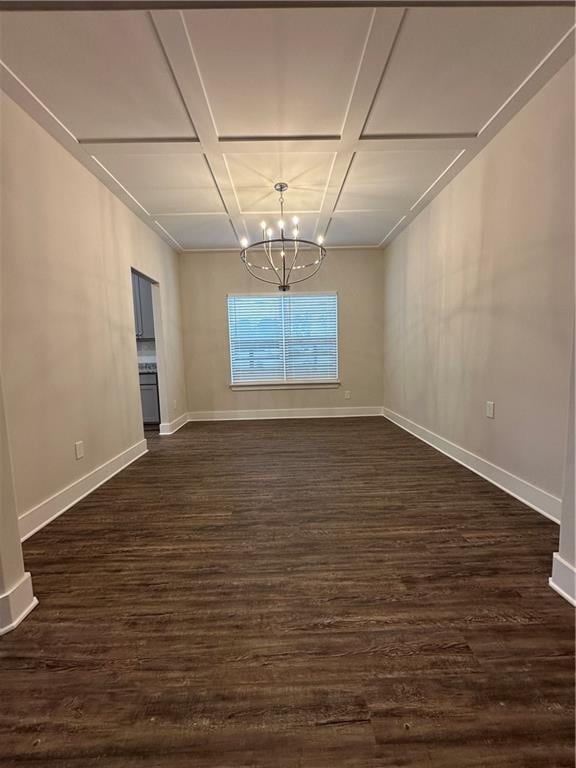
x=291, y=594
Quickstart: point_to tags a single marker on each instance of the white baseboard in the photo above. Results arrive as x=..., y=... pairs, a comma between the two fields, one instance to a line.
x=169, y=427
x=37, y=517
x=285, y=413
x=540, y=500
x=16, y=604
x=563, y=579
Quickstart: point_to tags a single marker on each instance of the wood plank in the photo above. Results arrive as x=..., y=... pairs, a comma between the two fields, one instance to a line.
x=296, y=594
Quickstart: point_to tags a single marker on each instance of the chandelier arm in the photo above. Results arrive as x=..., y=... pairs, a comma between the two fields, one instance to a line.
x=261, y=267
x=268, y=282
x=284, y=279
x=300, y=240
x=262, y=279
x=251, y=267
x=294, y=259
x=268, y=252
x=283, y=247
x=302, y=279
x=312, y=263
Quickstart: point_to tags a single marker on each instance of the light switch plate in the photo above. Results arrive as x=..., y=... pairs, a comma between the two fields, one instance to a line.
x=490, y=409
x=79, y=449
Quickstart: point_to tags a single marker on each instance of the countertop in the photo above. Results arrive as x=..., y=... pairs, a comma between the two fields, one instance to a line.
x=147, y=368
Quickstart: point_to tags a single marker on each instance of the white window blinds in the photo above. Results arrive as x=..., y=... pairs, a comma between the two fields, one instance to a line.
x=283, y=339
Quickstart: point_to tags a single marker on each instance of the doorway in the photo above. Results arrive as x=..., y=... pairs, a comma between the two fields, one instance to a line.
x=145, y=327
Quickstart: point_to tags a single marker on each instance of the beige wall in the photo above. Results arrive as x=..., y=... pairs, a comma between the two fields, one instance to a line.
x=567, y=544
x=479, y=297
x=207, y=278
x=68, y=345
x=16, y=594
x=11, y=562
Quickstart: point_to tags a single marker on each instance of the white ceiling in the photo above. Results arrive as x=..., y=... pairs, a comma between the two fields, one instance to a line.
x=454, y=67
x=104, y=75
x=254, y=176
x=193, y=116
x=284, y=72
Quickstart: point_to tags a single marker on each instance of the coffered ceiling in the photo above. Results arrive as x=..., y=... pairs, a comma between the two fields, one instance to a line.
x=192, y=116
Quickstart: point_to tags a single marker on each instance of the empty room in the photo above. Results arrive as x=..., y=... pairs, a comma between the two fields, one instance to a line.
x=287, y=305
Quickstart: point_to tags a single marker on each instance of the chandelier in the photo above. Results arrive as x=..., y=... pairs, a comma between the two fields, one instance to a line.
x=280, y=259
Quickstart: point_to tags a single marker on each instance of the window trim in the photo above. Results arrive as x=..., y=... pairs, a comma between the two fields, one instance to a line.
x=279, y=385
x=288, y=385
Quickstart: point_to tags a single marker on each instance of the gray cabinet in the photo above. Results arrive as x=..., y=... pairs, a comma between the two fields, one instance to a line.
x=143, y=311
x=146, y=309
x=137, y=310
x=149, y=397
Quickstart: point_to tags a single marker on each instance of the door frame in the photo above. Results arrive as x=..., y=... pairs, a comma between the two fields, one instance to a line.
x=161, y=366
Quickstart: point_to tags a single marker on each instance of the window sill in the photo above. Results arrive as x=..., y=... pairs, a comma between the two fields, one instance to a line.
x=295, y=385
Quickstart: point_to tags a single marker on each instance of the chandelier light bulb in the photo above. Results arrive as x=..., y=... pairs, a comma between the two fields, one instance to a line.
x=319, y=239
x=263, y=225
x=295, y=220
x=269, y=232
x=281, y=224
x=295, y=232
x=244, y=242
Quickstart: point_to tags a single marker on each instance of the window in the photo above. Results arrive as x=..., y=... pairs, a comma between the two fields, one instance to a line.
x=283, y=339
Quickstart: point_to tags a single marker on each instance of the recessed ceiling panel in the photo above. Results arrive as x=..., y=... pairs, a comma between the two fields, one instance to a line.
x=452, y=68
x=391, y=181
x=306, y=225
x=305, y=173
x=360, y=228
x=103, y=75
x=200, y=232
x=167, y=183
x=278, y=72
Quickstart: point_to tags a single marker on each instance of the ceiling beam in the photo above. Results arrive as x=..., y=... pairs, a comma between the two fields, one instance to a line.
x=175, y=40
x=378, y=49
x=258, y=145
x=137, y=147
x=380, y=40
x=115, y=5
x=25, y=98
x=417, y=143
x=541, y=74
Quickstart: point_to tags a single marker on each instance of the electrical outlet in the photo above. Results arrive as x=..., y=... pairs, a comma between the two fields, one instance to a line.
x=490, y=409
x=79, y=449
x=347, y=395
